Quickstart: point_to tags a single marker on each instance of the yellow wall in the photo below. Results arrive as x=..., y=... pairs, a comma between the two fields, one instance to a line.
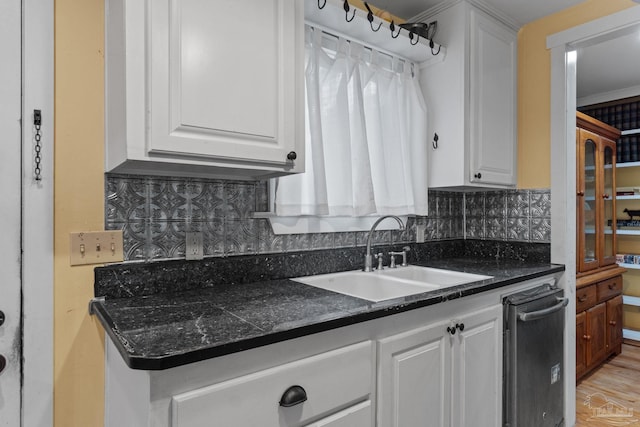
x=79, y=190
x=534, y=86
x=79, y=206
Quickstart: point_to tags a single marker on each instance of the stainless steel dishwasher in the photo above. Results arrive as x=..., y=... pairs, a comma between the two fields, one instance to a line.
x=533, y=359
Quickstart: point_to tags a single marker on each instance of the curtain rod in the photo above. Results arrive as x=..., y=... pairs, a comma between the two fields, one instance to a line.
x=338, y=34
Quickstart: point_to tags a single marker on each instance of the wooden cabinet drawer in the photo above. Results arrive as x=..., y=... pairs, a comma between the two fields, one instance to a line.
x=609, y=288
x=331, y=381
x=585, y=298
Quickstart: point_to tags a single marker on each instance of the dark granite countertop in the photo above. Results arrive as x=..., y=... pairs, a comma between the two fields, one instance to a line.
x=168, y=329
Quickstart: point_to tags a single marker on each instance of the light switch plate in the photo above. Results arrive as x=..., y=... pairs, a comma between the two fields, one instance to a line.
x=96, y=247
x=194, y=245
x=420, y=230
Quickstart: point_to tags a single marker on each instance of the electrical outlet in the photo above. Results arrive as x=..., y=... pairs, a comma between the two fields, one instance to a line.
x=96, y=247
x=420, y=230
x=194, y=246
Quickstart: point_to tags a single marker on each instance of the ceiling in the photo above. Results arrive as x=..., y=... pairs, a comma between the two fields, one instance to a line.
x=609, y=68
x=520, y=11
x=604, y=70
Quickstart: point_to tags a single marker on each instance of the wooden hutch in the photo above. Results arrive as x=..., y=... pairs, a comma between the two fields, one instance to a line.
x=598, y=277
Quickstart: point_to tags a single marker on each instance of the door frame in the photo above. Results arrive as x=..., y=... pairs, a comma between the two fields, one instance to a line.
x=563, y=47
x=37, y=214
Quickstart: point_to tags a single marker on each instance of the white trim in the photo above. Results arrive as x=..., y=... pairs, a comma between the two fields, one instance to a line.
x=629, y=300
x=37, y=216
x=597, y=31
x=317, y=224
x=563, y=232
x=630, y=334
x=609, y=96
x=563, y=107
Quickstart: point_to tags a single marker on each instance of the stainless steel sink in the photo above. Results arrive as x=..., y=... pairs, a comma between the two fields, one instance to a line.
x=390, y=283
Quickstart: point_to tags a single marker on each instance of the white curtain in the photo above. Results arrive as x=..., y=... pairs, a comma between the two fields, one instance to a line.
x=366, y=137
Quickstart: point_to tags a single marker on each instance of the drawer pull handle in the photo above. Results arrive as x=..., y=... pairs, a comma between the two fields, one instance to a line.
x=612, y=286
x=582, y=298
x=293, y=396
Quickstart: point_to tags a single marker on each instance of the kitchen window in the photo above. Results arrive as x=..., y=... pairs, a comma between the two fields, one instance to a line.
x=366, y=135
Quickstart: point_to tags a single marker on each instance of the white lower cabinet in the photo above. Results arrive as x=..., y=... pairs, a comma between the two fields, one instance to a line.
x=448, y=373
x=324, y=384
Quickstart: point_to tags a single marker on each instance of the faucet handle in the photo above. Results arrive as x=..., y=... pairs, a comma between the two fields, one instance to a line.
x=405, y=250
x=378, y=256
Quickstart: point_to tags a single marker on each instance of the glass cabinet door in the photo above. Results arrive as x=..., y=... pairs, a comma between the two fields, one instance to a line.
x=609, y=208
x=589, y=249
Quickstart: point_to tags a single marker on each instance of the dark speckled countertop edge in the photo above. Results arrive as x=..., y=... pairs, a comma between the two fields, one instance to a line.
x=184, y=356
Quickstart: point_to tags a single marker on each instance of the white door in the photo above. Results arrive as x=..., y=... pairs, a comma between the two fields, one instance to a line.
x=493, y=102
x=10, y=212
x=414, y=378
x=222, y=91
x=477, y=370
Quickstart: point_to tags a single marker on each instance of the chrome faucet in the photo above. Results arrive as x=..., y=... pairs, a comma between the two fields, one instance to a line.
x=368, y=256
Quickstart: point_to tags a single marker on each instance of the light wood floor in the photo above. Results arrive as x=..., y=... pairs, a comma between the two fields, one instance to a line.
x=614, y=387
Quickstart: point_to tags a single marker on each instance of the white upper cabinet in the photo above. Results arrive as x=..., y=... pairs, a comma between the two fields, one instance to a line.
x=205, y=87
x=471, y=97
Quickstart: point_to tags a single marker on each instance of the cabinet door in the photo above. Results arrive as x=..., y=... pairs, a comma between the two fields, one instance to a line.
x=614, y=324
x=607, y=162
x=587, y=203
x=226, y=80
x=477, y=370
x=492, y=132
x=414, y=378
x=581, y=344
x=597, y=335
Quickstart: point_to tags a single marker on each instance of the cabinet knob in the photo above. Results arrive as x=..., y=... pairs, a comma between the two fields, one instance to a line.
x=451, y=330
x=478, y=175
x=612, y=286
x=293, y=396
x=3, y=363
x=292, y=155
x=606, y=196
x=580, y=193
x=586, y=337
x=1, y=317
x=612, y=322
x=582, y=298
x=460, y=326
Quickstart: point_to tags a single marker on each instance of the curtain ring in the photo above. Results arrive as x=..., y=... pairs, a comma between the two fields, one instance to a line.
x=346, y=11
x=392, y=27
x=323, y=4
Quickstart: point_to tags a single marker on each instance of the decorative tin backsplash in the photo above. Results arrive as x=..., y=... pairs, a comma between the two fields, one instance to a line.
x=513, y=215
x=156, y=212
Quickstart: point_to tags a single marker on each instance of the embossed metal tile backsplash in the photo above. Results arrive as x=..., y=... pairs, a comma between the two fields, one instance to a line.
x=156, y=212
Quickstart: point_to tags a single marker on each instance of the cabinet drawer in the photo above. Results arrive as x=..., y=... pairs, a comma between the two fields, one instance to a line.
x=609, y=288
x=331, y=381
x=585, y=298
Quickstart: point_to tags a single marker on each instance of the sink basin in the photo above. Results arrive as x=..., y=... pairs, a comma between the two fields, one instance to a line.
x=389, y=283
x=369, y=286
x=433, y=276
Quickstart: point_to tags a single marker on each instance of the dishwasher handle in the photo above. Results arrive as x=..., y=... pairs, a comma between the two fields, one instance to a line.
x=535, y=315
